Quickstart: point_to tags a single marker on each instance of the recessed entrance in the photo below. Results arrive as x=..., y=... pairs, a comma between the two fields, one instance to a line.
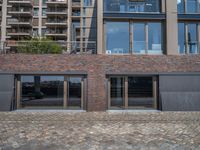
x=132, y=92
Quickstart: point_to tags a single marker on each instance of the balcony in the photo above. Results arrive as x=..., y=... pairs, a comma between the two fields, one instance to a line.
x=21, y=2
x=17, y=22
x=56, y=23
x=132, y=6
x=21, y=12
x=58, y=2
x=76, y=14
x=57, y=33
x=73, y=47
x=76, y=4
x=53, y=12
x=19, y=33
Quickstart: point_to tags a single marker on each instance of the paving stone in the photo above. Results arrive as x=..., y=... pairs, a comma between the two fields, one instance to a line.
x=100, y=131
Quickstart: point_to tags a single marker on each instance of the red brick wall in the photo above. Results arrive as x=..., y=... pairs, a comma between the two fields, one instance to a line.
x=97, y=66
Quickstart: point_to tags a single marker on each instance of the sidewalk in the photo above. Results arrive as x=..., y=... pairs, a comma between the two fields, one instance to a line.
x=99, y=130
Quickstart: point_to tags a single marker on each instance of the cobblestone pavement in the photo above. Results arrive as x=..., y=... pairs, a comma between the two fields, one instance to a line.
x=100, y=130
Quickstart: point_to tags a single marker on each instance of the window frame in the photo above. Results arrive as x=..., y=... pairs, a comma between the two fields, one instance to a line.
x=131, y=34
x=185, y=8
x=146, y=23
x=18, y=96
x=128, y=4
x=125, y=92
x=186, y=50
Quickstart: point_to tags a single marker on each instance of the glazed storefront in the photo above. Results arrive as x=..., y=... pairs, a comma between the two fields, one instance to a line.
x=50, y=92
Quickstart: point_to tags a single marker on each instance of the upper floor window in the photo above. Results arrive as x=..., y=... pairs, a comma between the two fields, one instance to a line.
x=147, y=38
x=136, y=38
x=188, y=6
x=132, y=6
x=88, y=3
x=117, y=37
x=36, y=11
x=188, y=38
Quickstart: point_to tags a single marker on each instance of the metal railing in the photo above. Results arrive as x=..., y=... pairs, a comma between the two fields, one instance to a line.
x=73, y=47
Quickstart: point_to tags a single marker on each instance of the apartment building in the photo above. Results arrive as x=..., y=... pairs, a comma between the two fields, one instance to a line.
x=146, y=57
x=68, y=22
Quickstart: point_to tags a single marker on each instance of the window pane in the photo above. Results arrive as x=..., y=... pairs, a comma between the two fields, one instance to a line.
x=117, y=91
x=191, y=6
x=74, y=92
x=152, y=5
x=139, y=40
x=117, y=37
x=180, y=5
x=192, y=38
x=181, y=38
x=154, y=38
x=36, y=11
x=198, y=7
x=42, y=91
x=140, y=92
x=131, y=6
x=87, y=2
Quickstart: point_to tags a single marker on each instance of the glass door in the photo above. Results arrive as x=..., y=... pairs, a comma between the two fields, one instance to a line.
x=117, y=91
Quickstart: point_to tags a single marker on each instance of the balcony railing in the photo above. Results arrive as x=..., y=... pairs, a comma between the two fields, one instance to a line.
x=76, y=4
x=18, y=22
x=20, y=32
x=73, y=47
x=56, y=2
x=25, y=2
x=20, y=12
x=132, y=6
x=56, y=11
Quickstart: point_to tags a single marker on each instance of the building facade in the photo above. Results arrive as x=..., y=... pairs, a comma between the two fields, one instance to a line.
x=70, y=23
x=130, y=54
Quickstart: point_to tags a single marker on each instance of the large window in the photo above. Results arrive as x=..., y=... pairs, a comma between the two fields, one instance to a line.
x=133, y=92
x=139, y=38
x=117, y=37
x=135, y=6
x=74, y=90
x=181, y=38
x=188, y=38
x=117, y=91
x=140, y=92
x=154, y=38
x=50, y=92
x=188, y=6
x=42, y=91
x=146, y=38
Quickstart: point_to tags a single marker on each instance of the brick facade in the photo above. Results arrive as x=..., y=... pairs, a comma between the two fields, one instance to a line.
x=97, y=66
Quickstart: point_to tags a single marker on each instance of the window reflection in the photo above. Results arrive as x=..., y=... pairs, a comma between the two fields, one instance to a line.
x=117, y=37
x=192, y=38
x=117, y=91
x=191, y=46
x=181, y=38
x=192, y=6
x=74, y=91
x=42, y=91
x=180, y=5
x=140, y=92
x=154, y=38
x=132, y=6
x=139, y=40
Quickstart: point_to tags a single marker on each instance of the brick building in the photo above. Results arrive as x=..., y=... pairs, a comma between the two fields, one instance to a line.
x=146, y=56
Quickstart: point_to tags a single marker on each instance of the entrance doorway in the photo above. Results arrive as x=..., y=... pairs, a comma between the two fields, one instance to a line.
x=132, y=92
